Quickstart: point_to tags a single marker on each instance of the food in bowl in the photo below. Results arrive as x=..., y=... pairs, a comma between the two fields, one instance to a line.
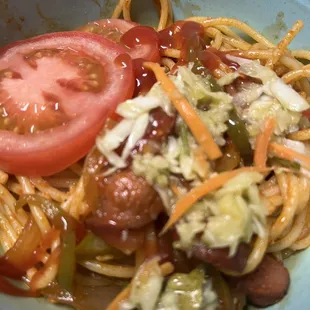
x=170, y=164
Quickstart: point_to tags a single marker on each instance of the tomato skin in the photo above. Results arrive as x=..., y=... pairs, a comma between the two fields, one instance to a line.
x=143, y=42
x=50, y=151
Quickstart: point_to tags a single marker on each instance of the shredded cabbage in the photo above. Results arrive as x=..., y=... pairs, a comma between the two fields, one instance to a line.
x=227, y=78
x=274, y=86
x=113, y=138
x=215, y=119
x=133, y=108
x=137, y=132
x=157, y=168
x=273, y=98
x=197, y=87
x=260, y=109
x=227, y=217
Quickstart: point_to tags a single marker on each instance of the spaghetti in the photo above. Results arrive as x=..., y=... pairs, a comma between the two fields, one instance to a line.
x=284, y=191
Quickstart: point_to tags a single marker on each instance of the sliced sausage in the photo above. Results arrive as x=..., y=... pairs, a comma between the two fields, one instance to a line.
x=220, y=257
x=267, y=285
x=125, y=201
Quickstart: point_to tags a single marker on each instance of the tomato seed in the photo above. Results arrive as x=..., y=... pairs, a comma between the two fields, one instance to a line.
x=93, y=76
x=93, y=83
x=8, y=74
x=6, y=122
x=16, y=129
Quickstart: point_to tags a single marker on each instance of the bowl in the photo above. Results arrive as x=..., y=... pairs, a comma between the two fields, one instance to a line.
x=22, y=19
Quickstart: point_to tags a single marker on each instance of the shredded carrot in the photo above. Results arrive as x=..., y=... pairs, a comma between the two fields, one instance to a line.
x=184, y=204
x=262, y=142
x=174, y=188
x=188, y=113
x=288, y=154
x=144, y=271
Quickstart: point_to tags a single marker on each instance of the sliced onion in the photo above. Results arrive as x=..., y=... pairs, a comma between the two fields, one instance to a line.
x=22, y=254
x=43, y=277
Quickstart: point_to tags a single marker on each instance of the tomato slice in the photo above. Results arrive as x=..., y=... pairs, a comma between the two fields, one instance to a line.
x=140, y=41
x=112, y=28
x=56, y=91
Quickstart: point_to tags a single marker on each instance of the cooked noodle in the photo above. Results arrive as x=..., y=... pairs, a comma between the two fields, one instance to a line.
x=285, y=194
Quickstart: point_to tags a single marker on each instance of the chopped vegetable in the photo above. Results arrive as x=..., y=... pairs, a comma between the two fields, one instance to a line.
x=146, y=286
x=284, y=152
x=186, y=291
x=215, y=118
x=185, y=203
x=136, y=134
x=285, y=163
x=69, y=227
x=204, y=103
x=228, y=78
x=239, y=136
x=200, y=132
x=66, y=267
x=46, y=275
x=268, y=107
x=92, y=246
x=230, y=160
x=18, y=259
x=274, y=86
x=184, y=138
x=227, y=217
x=287, y=96
x=298, y=146
x=199, y=69
x=262, y=142
x=133, y=108
x=144, y=270
x=157, y=168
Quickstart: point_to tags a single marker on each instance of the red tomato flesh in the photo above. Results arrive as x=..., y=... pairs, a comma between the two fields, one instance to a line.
x=56, y=91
